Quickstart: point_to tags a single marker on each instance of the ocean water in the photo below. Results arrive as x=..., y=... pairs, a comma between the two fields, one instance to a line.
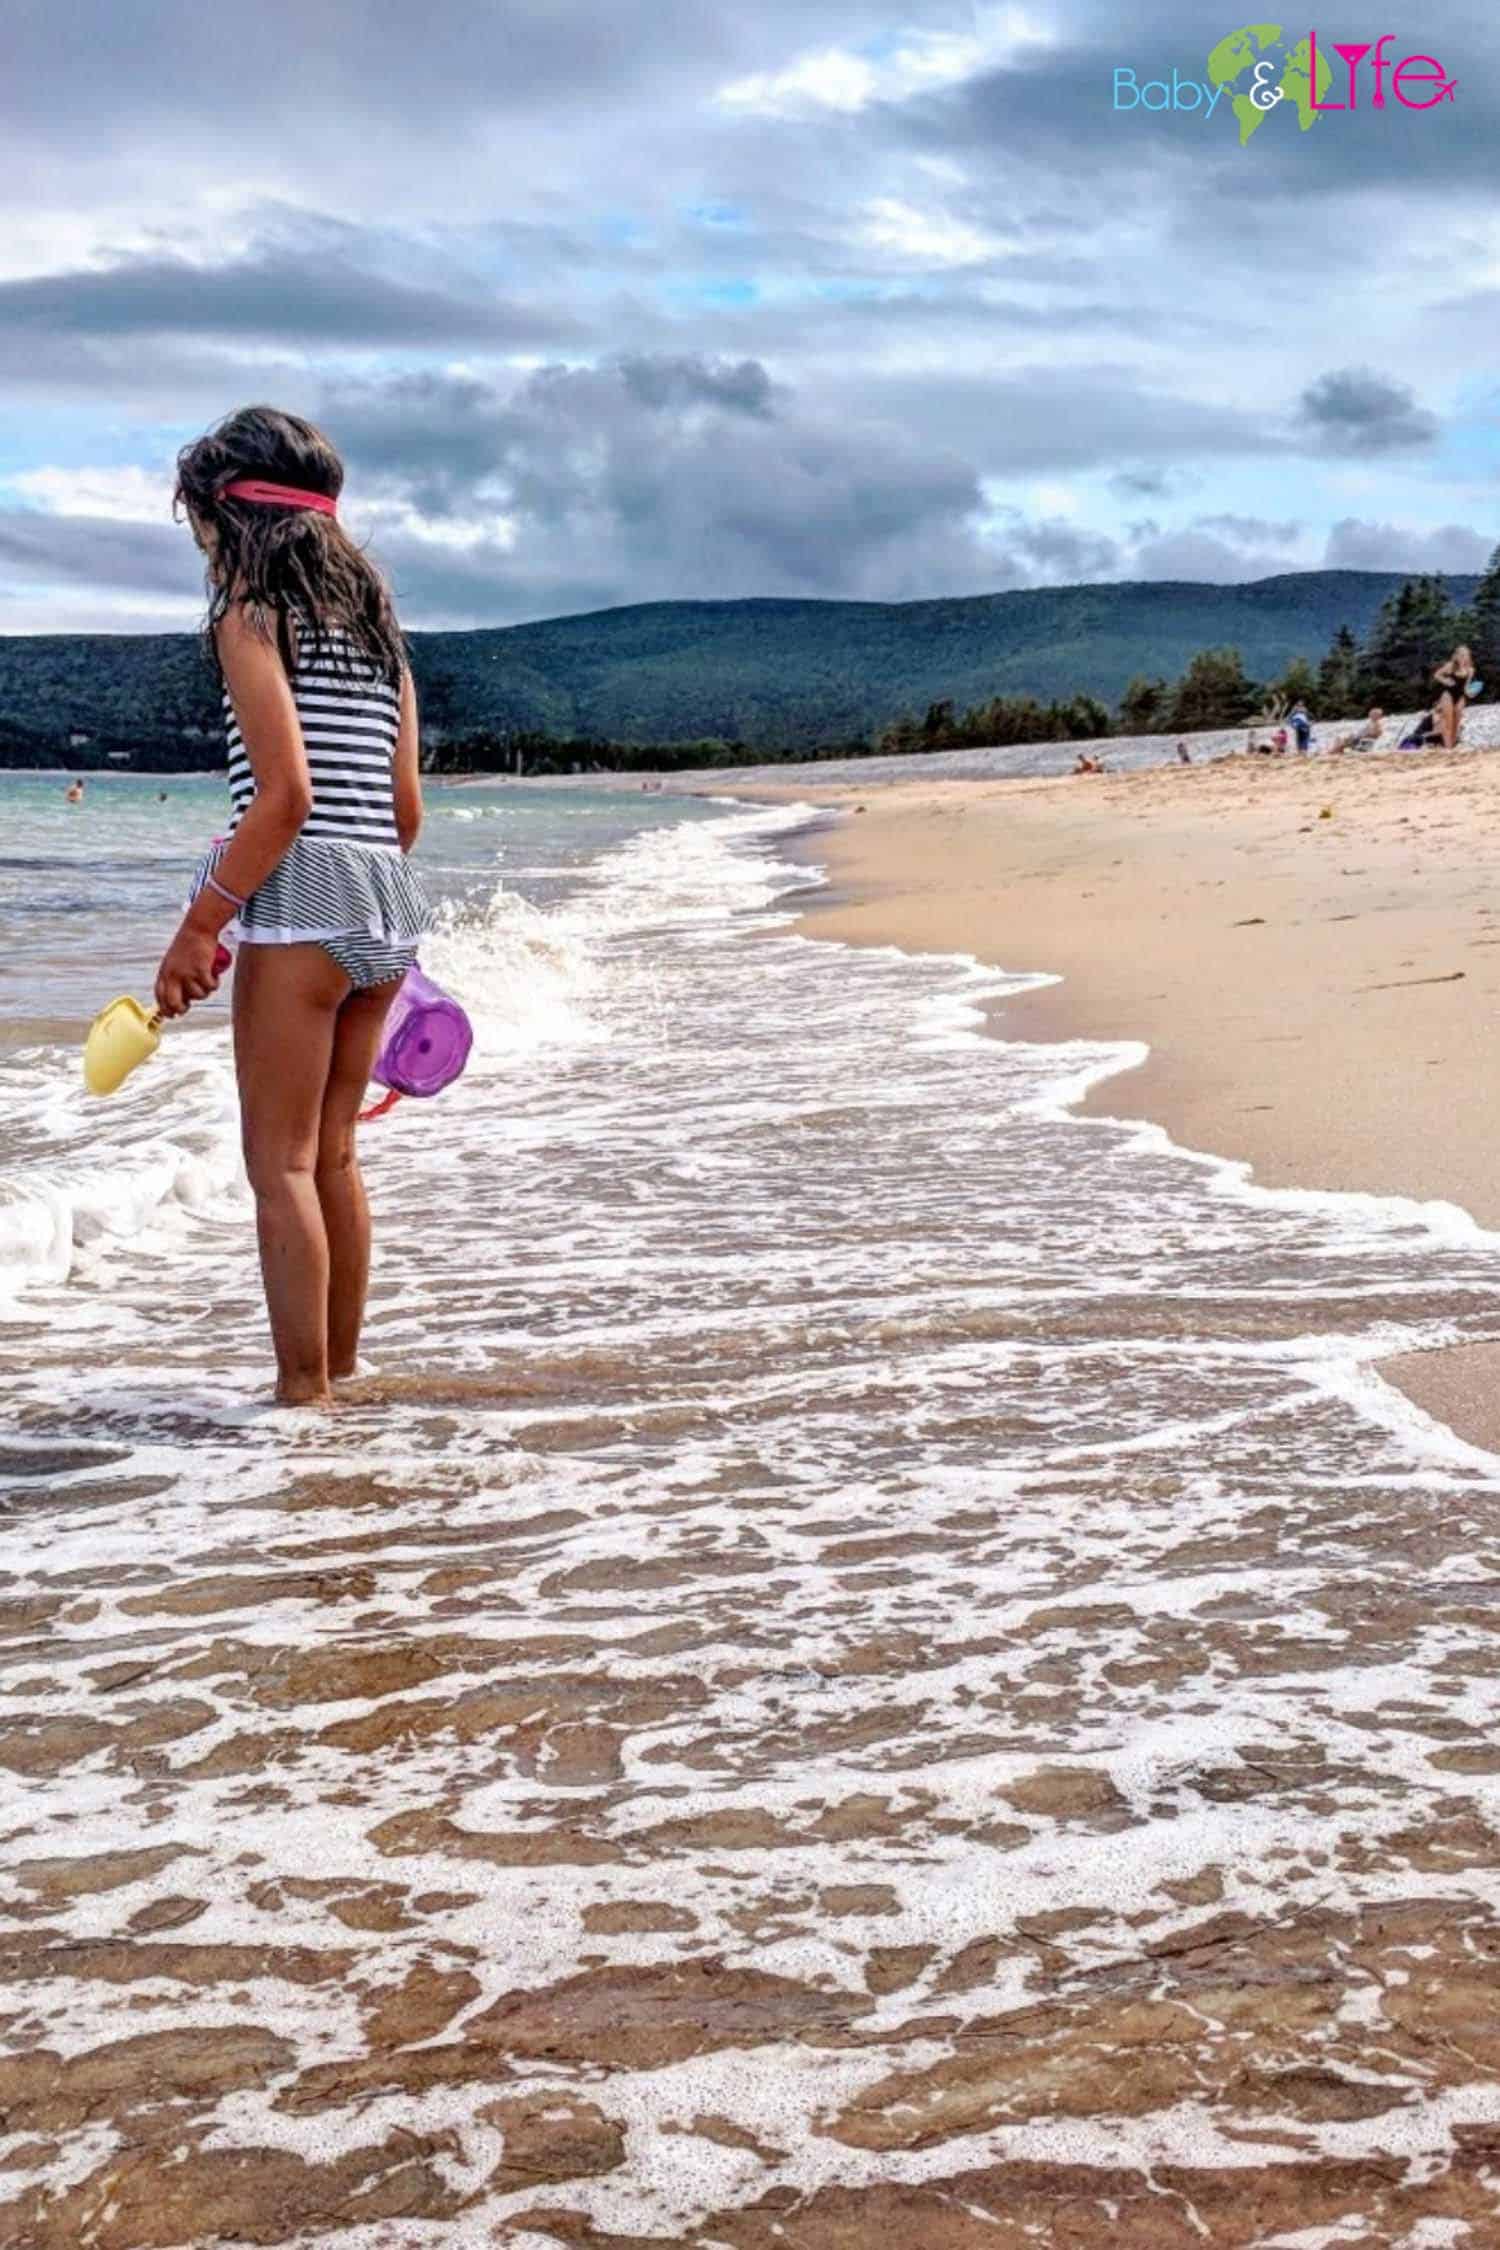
x=877, y=1656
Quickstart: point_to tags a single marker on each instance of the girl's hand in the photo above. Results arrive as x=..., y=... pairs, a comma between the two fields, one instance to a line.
x=188, y=971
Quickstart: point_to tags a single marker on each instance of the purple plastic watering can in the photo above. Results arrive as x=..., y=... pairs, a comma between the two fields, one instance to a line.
x=426, y=1044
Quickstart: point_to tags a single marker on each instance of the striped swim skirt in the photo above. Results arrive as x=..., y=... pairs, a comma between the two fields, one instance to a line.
x=361, y=902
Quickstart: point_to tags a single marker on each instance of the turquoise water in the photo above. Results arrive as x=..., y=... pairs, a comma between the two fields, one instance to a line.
x=90, y=893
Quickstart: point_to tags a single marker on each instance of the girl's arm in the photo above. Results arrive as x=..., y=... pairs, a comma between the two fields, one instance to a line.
x=406, y=770
x=272, y=734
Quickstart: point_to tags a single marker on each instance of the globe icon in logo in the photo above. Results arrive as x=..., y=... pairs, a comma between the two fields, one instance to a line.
x=1262, y=73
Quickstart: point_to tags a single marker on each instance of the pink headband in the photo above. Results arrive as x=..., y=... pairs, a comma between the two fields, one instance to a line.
x=278, y=495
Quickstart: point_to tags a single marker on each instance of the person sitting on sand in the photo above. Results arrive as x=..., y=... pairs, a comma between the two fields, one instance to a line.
x=1364, y=738
x=1452, y=681
x=1086, y=764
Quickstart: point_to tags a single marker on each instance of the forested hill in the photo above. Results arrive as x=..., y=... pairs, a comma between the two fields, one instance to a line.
x=772, y=675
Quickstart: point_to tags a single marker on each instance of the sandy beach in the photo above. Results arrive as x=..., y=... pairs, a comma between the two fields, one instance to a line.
x=1310, y=948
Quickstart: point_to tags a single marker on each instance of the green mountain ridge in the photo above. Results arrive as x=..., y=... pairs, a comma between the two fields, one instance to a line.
x=773, y=674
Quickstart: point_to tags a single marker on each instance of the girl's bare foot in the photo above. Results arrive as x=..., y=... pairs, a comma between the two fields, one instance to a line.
x=303, y=1394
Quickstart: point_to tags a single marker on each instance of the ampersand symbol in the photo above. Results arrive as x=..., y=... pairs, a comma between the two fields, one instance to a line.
x=1261, y=95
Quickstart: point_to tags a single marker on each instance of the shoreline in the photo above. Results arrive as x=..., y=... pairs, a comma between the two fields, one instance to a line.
x=1317, y=992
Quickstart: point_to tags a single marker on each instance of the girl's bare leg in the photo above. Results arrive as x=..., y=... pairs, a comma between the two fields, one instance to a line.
x=286, y=1000
x=341, y=1189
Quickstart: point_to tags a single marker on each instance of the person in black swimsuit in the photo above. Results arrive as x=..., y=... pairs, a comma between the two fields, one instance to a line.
x=1452, y=681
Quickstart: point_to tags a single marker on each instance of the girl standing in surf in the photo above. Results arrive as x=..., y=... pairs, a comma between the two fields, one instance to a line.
x=321, y=720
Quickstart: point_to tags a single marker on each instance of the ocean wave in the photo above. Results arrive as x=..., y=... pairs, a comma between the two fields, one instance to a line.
x=80, y=1174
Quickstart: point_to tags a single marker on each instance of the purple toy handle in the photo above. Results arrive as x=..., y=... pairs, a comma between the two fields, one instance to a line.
x=427, y=1039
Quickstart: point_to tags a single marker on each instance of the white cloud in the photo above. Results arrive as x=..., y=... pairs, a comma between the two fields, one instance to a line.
x=936, y=58
x=225, y=222
x=1357, y=544
x=124, y=495
x=840, y=78
x=46, y=609
x=380, y=519
x=830, y=80
x=925, y=238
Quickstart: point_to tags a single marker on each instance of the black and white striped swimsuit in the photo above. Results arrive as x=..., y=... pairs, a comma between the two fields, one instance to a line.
x=350, y=718
x=345, y=883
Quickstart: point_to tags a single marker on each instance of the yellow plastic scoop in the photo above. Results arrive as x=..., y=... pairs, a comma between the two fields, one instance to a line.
x=123, y=1035
x=120, y=1036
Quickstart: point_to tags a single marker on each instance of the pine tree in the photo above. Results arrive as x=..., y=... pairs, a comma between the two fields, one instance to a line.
x=900, y=737
x=1026, y=720
x=1143, y=706
x=1213, y=692
x=938, y=726
x=1085, y=719
x=1299, y=684
x=1415, y=631
x=1484, y=626
x=1339, y=689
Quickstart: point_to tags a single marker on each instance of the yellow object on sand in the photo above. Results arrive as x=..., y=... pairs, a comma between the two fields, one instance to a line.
x=120, y=1036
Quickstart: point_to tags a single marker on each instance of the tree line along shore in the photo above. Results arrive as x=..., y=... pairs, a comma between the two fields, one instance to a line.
x=1392, y=667
x=1389, y=664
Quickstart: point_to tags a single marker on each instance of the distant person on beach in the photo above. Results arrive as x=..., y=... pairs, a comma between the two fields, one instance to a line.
x=1184, y=754
x=1366, y=737
x=1086, y=764
x=1279, y=741
x=1422, y=734
x=1301, y=726
x=73, y=794
x=321, y=719
x=1452, y=680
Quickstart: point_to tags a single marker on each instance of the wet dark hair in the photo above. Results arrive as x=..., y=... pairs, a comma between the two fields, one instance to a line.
x=273, y=559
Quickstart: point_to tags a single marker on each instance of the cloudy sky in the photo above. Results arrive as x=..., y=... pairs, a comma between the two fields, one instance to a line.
x=621, y=300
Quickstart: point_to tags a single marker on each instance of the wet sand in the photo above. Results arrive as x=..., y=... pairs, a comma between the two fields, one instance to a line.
x=1310, y=948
